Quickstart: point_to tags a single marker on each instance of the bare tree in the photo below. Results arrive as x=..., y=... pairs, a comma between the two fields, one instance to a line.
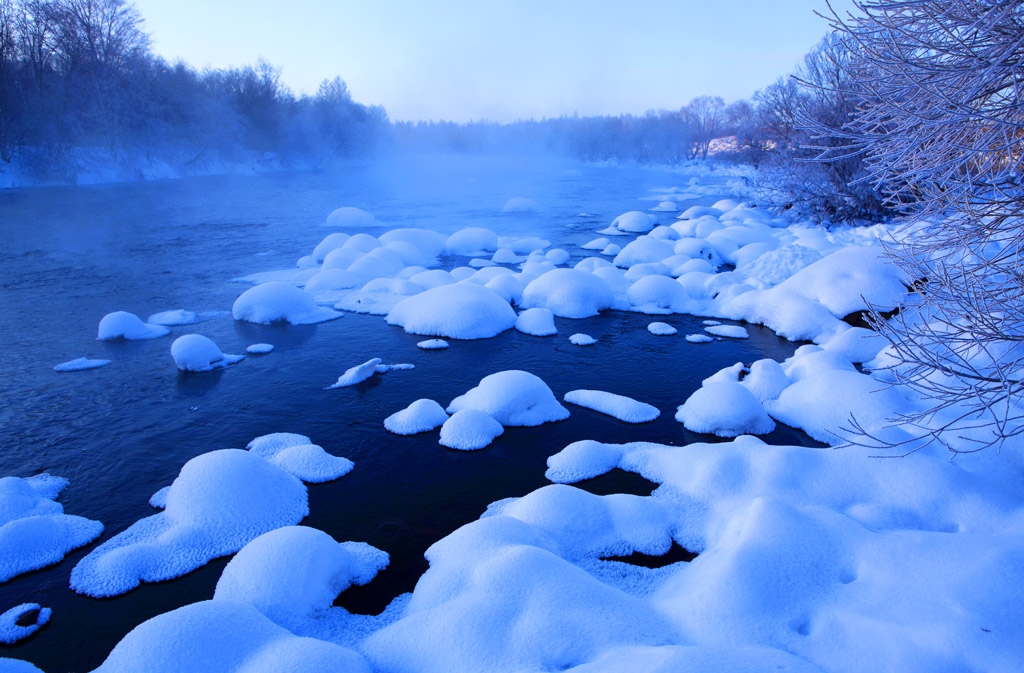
x=940, y=123
x=705, y=115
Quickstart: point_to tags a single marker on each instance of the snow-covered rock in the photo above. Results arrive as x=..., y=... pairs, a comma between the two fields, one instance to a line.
x=457, y=311
x=512, y=398
x=422, y=415
x=128, y=326
x=726, y=410
x=197, y=353
x=536, y=322
x=349, y=217
x=278, y=301
x=469, y=430
x=568, y=293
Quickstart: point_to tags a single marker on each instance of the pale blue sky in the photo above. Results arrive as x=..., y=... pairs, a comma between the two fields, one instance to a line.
x=500, y=59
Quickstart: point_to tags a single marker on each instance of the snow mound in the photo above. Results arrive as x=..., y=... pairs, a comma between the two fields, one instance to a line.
x=568, y=293
x=357, y=374
x=34, y=531
x=699, y=338
x=176, y=317
x=519, y=204
x=197, y=353
x=634, y=222
x=661, y=329
x=666, y=207
x=299, y=456
x=219, y=502
x=469, y=430
x=597, y=244
x=259, y=349
x=349, y=217
x=643, y=250
x=457, y=311
x=428, y=242
x=513, y=398
x=726, y=410
x=536, y=322
x=658, y=294
x=329, y=243
x=125, y=325
x=293, y=574
x=422, y=415
x=624, y=408
x=80, y=364
x=11, y=631
x=472, y=241
x=581, y=339
x=432, y=344
x=228, y=637
x=730, y=331
x=278, y=301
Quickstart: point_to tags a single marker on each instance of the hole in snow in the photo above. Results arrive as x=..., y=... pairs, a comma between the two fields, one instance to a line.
x=617, y=481
x=674, y=555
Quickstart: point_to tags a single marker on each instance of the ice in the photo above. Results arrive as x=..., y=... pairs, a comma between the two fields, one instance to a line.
x=278, y=301
x=469, y=430
x=624, y=408
x=220, y=501
x=349, y=217
x=125, y=325
x=643, y=249
x=699, y=338
x=176, y=317
x=730, y=331
x=11, y=632
x=422, y=415
x=259, y=349
x=724, y=409
x=299, y=456
x=536, y=322
x=197, y=353
x=457, y=311
x=513, y=398
x=661, y=329
x=519, y=204
x=634, y=222
x=293, y=574
x=568, y=293
x=224, y=636
x=580, y=339
x=356, y=374
x=34, y=531
x=80, y=364
x=472, y=242
x=432, y=344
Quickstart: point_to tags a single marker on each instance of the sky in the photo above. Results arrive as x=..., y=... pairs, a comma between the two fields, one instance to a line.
x=500, y=60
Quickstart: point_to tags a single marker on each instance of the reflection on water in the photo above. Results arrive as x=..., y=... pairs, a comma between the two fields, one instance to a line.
x=121, y=432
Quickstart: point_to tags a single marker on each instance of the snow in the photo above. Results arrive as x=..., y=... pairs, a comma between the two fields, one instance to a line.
x=422, y=415
x=224, y=635
x=457, y=311
x=596, y=244
x=128, y=326
x=430, y=243
x=624, y=408
x=197, y=353
x=634, y=222
x=17, y=666
x=432, y=344
x=665, y=207
x=568, y=293
x=293, y=574
x=658, y=294
x=580, y=339
x=80, y=364
x=472, y=241
x=513, y=398
x=259, y=349
x=643, y=249
x=730, y=331
x=11, y=632
x=536, y=322
x=661, y=329
x=356, y=374
x=699, y=338
x=175, y=317
x=278, y=301
x=519, y=204
x=34, y=531
x=724, y=409
x=299, y=456
x=469, y=430
x=219, y=502
x=349, y=217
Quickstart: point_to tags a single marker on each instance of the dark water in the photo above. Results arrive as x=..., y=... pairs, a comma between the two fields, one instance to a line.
x=119, y=433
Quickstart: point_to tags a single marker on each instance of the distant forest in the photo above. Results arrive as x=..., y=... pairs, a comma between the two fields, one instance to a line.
x=79, y=84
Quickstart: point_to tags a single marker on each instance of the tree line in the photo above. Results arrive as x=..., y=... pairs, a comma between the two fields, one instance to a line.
x=79, y=76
